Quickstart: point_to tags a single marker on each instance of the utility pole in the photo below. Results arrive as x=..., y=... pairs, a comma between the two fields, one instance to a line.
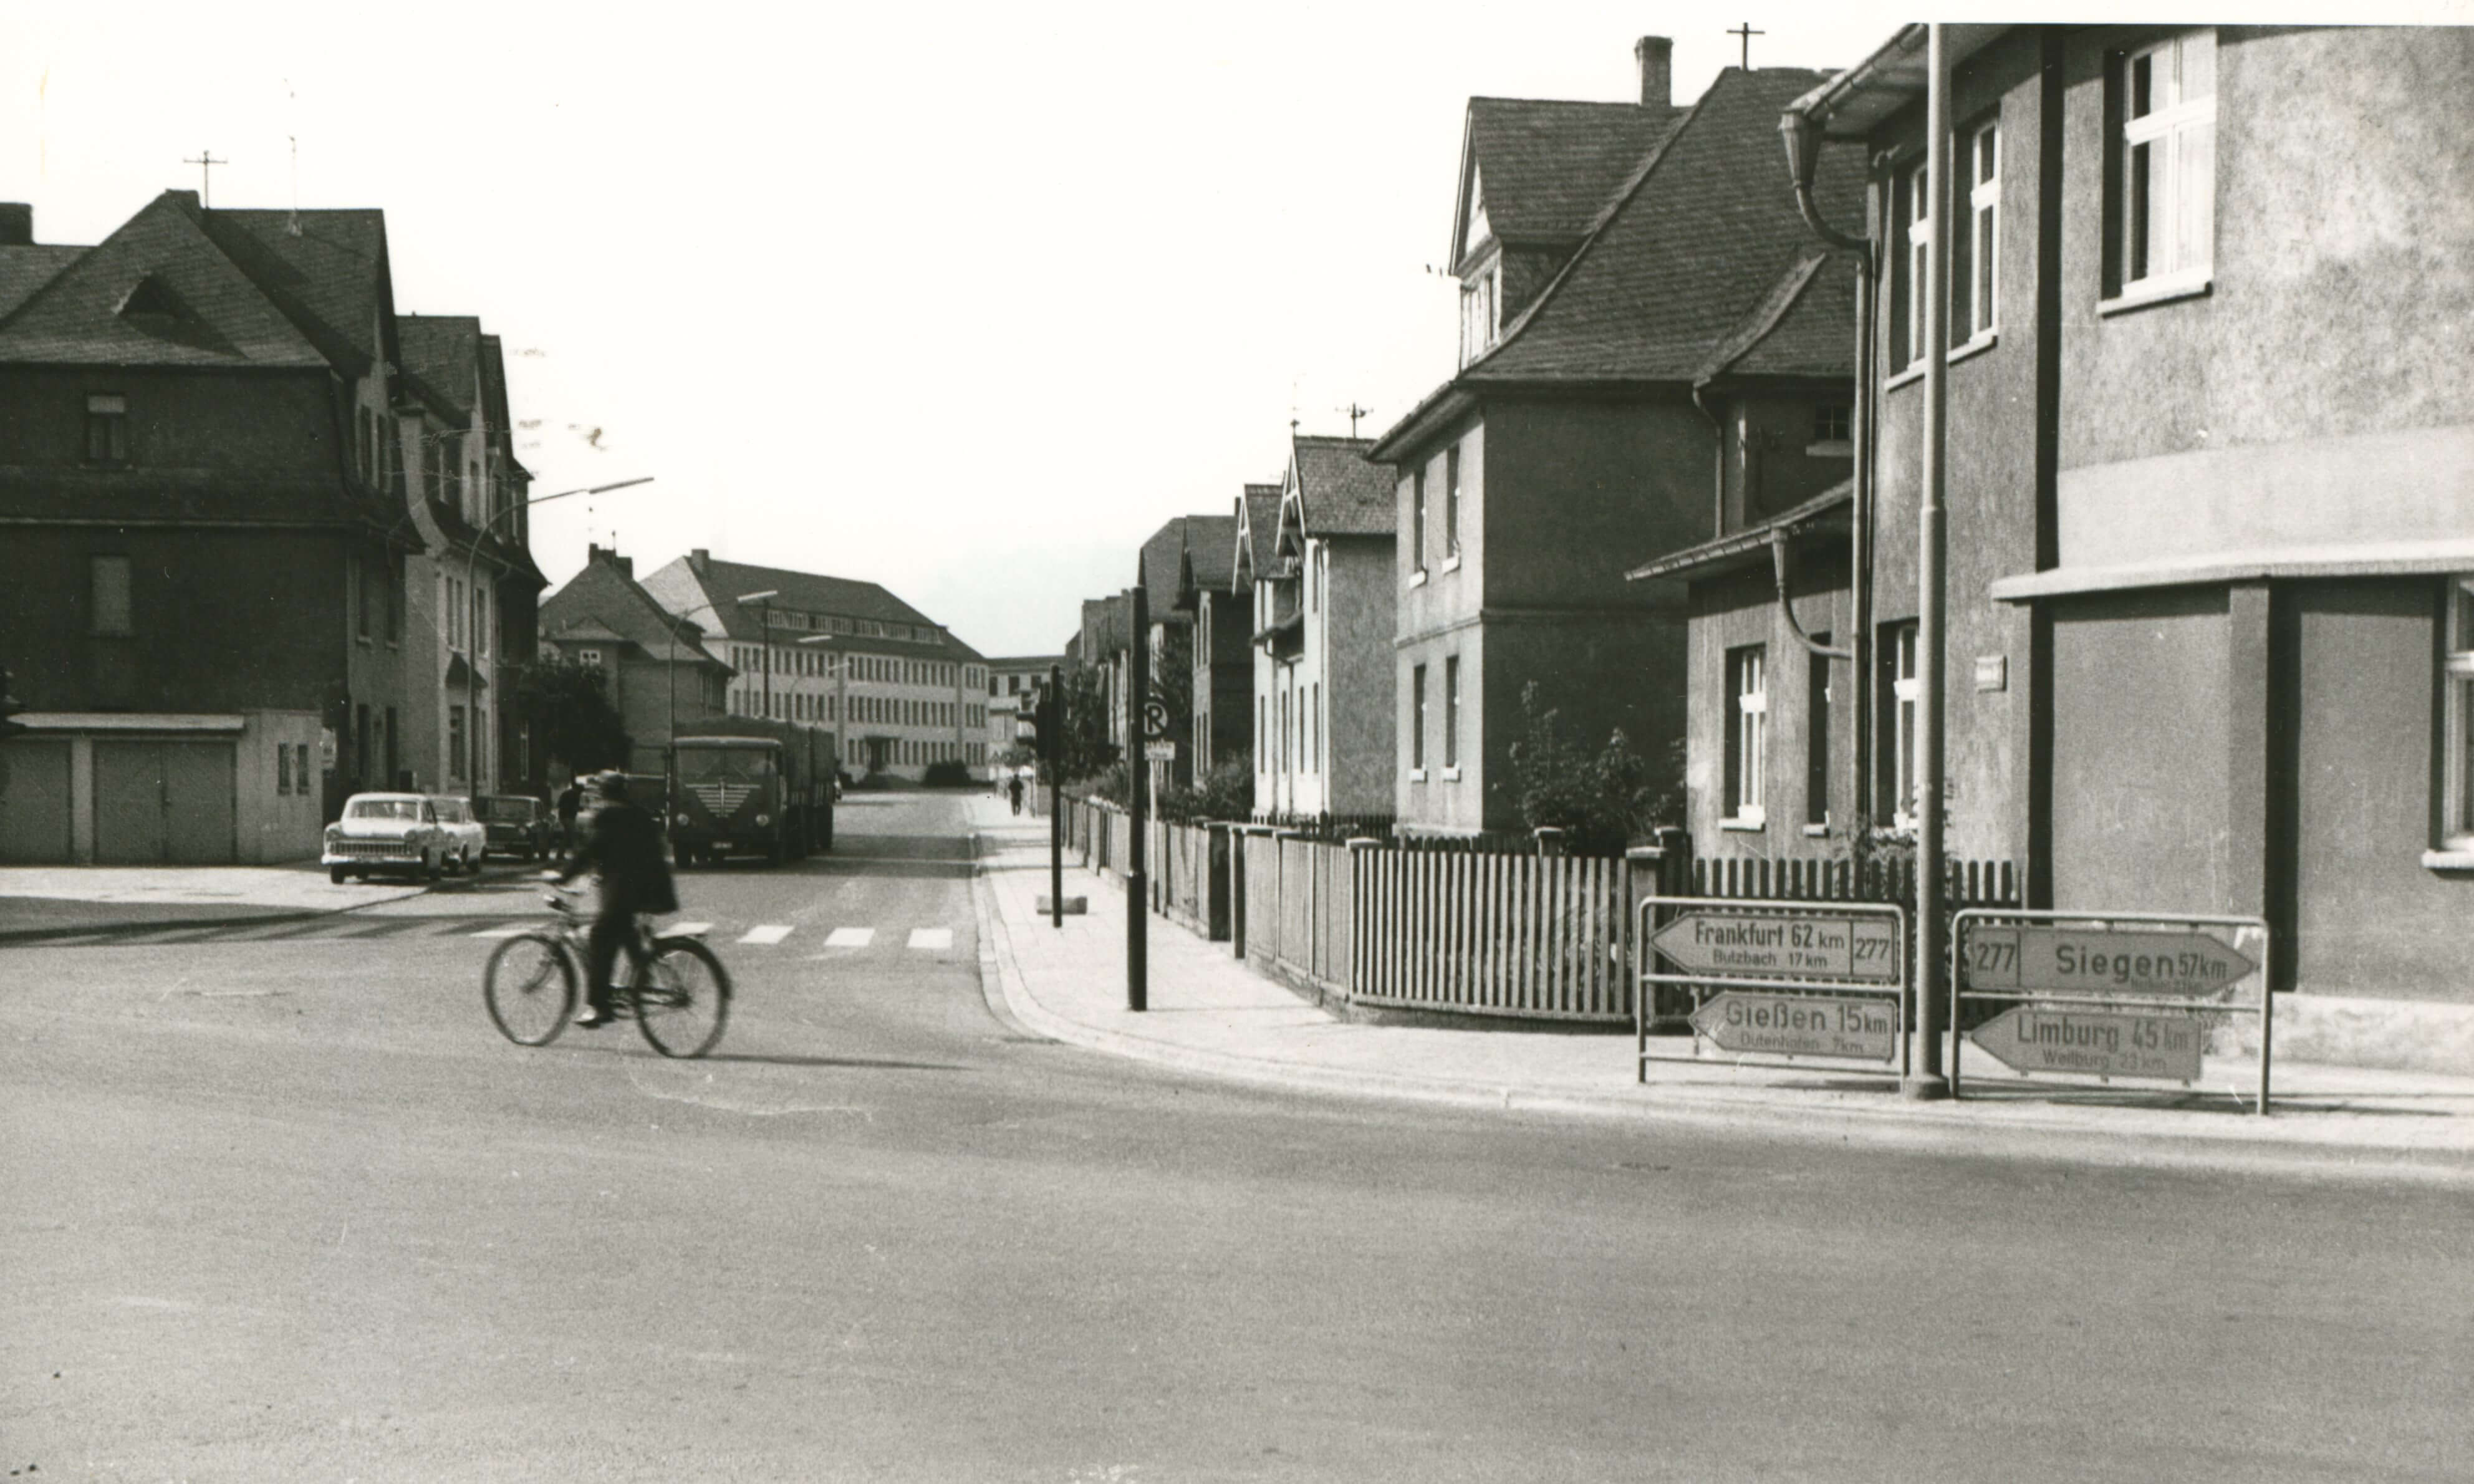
x=1052, y=743
x=1138, y=688
x=1926, y=1083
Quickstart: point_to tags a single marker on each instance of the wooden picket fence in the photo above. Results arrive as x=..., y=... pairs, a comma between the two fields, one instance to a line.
x=1541, y=938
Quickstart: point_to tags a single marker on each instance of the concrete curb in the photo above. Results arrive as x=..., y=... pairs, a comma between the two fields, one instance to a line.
x=1892, y=1124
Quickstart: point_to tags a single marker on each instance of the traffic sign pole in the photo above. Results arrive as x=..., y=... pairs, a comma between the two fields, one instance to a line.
x=1138, y=690
x=1052, y=746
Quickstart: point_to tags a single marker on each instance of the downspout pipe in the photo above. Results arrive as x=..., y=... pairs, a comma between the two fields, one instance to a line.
x=1779, y=565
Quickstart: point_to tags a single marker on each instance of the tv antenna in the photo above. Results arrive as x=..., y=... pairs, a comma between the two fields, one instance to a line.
x=205, y=163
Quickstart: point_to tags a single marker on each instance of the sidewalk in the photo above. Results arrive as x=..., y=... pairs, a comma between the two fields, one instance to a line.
x=1210, y=1014
x=37, y=901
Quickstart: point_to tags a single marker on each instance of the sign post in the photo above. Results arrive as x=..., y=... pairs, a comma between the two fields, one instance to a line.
x=1138, y=686
x=1776, y=979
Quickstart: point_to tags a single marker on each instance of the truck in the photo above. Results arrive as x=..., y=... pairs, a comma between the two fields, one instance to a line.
x=746, y=786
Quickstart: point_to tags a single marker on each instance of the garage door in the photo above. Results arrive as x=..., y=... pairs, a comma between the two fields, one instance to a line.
x=164, y=802
x=35, y=802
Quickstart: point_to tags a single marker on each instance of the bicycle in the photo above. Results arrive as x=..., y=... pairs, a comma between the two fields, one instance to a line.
x=678, y=993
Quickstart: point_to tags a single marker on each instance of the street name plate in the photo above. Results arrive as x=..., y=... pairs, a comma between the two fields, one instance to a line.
x=2099, y=1043
x=1793, y=1025
x=1817, y=944
x=2100, y=962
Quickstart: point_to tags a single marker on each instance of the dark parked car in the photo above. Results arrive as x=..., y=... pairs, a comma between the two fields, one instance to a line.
x=519, y=824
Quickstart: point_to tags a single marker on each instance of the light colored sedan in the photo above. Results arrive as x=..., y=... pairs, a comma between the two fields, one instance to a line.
x=385, y=832
x=468, y=839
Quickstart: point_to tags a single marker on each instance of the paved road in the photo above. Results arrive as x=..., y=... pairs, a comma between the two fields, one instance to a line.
x=281, y=1205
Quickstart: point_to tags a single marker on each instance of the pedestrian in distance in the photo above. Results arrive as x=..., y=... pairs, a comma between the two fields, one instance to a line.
x=1013, y=792
x=624, y=847
x=571, y=799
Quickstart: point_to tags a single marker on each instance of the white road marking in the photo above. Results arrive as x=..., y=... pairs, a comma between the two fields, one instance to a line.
x=771, y=932
x=502, y=932
x=931, y=937
x=850, y=937
x=686, y=929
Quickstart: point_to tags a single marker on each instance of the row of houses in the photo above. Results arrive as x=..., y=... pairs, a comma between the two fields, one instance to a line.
x=266, y=536
x=2208, y=522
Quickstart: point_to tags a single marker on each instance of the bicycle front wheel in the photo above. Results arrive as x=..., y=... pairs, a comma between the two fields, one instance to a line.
x=530, y=988
x=682, y=997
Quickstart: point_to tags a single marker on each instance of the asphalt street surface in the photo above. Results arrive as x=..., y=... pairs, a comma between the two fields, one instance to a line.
x=281, y=1204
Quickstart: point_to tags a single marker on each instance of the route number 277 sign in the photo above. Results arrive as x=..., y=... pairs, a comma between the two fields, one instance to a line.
x=2101, y=962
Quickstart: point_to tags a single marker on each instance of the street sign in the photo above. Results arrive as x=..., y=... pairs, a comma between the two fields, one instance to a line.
x=2101, y=1044
x=1159, y=751
x=1816, y=944
x=2100, y=962
x=1800, y=1024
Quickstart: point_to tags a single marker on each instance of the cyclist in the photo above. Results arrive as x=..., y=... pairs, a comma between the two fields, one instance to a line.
x=623, y=847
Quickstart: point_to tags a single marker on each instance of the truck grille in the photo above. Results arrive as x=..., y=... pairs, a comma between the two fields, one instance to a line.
x=721, y=798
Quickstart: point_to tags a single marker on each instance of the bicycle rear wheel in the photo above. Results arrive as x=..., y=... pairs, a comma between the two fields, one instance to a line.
x=682, y=997
x=530, y=988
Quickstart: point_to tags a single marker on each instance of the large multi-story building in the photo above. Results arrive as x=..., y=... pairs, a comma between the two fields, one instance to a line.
x=230, y=607
x=897, y=691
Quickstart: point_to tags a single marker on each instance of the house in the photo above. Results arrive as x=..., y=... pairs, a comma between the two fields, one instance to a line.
x=1014, y=684
x=1634, y=367
x=1323, y=621
x=213, y=557
x=1221, y=603
x=1251, y=561
x=2210, y=613
x=1174, y=564
x=898, y=692
x=655, y=667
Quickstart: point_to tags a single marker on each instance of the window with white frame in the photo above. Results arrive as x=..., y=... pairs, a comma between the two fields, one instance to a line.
x=1417, y=722
x=1816, y=736
x=1748, y=716
x=2165, y=162
x=2457, y=814
x=1418, y=519
x=1914, y=266
x=1481, y=313
x=1899, y=659
x=1452, y=502
x=1451, y=710
x=592, y=657
x=1975, y=245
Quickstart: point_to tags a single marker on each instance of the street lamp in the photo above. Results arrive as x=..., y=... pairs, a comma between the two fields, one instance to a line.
x=764, y=603
x=472, y=560
x=842, y=692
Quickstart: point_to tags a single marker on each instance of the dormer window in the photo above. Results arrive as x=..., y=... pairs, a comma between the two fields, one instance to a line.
x=1481, y=312
x=152, y=306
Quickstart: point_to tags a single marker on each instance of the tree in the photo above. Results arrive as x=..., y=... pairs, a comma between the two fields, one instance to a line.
x=1602, y=801
x=1082, y=748
x=568, y=705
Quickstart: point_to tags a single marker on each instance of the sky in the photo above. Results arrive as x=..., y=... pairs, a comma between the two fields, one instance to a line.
x=964, y=300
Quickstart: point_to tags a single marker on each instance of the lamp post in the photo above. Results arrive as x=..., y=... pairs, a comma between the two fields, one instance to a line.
x=834, y=659
x=764, y=602
x=472, y=561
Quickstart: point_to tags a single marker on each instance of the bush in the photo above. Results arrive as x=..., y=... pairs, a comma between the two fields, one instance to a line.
x=1602, y=801
x=948, y=774
x=1226, y=792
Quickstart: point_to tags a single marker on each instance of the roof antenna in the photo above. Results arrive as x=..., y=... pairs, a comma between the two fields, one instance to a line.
x=205, y=162
x=293, y=225
x=1355, y=412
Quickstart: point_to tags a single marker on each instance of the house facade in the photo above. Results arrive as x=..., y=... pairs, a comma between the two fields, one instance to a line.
x=1641, y=286
x=2210, y=528
x=654, y=665
x=897, y=691
x=215, y=563
x=1322, y=606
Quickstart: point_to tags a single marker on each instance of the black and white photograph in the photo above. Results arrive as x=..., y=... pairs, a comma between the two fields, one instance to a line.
x=1329, y=741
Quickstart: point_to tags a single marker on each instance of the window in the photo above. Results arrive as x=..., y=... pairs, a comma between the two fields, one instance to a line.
x=395, y=601
x=1816, y=736
x=1481, y=306
x=1902, y=693
x=1452, y=711
x=1748, y=706
x=361, y=747
x=1452, y=504
x=1417, y=521
x=107, y=429
x=1911, y=271
x=108, y=588
x=2457, y=818
x=455, y=742
x=1833, y=422
x=300, y=767
x=284, y=769
x=592, y=657
x=1975, y=247
x=2164, y=177
x=1417, y=722
x=394, y=775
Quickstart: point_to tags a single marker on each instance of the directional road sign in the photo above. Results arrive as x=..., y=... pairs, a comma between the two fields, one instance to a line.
x=1818, y=945
x=2101, y=1044
x=2178, y=965
x=1801, y=1024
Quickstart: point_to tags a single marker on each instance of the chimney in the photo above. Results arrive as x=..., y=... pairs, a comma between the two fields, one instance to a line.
x=700, y=560
x=16, y=224
x=626, y=565
x=1657, y=56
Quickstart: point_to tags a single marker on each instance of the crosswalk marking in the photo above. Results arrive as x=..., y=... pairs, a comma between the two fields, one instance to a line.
x=686, y=929
x=850, y=937
x=346, y=929
x=501, y=932
x=771, y=932
x=931, y=937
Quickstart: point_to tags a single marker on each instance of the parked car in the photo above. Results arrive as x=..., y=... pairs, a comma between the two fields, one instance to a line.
x=518, y=824
x=468, y=840
x=386, y=832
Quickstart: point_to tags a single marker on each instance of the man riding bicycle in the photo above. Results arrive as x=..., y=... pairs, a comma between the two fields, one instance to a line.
x=623, y=846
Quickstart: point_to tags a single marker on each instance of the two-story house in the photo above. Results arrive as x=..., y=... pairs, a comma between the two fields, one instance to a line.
x=2210, y=622
x=1222, y=606
x=1322, y=591
x=1175, y=563
x=654, y=664
x=1630, y=265
x=898, y=693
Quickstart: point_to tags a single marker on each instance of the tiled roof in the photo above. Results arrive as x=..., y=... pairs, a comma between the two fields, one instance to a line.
x=1209, y=541
x=1546, y=168
x=328, y=270
x=214, y=315
x=1105, y=623
x=1685, y=248
x=27, y=267
x=721, y=583
x=1802, y=327
x=443, y=353
x=1260, y=528
x=602, y=600
x=1339, y=491
x=1825, y=512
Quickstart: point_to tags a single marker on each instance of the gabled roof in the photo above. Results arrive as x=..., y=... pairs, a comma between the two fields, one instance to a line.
x=25, y=267
x=603, y=602
x=1257, y=520
x=686, y=587
x=222, y=318
x=1692, y=240
x=1802, y=327
x=1106, y=623
x=443, y=353
x=327, y=269
x=1338, y=493
x=1188, y=553
x=1543, y=167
